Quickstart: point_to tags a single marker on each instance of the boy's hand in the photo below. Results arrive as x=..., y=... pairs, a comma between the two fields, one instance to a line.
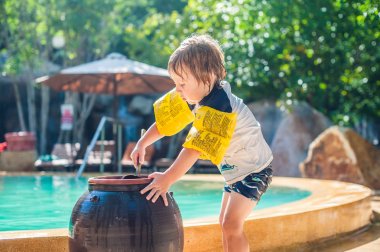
x=138, y=155
x=158, y=187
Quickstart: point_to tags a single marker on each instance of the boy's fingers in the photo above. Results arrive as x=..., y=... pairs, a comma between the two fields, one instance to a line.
x=137, y=159
x=164, y=198
x=134, y=158
x=151, y=194
x=147, y=188
x=158, y=193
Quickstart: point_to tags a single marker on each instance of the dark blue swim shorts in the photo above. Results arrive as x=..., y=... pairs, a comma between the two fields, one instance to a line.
x=254, y=185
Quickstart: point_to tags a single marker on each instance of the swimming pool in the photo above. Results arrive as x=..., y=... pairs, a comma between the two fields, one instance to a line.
x=44, y=202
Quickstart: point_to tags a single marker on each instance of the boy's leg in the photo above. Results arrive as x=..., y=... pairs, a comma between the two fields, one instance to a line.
x=236, y=211
x=225, y=198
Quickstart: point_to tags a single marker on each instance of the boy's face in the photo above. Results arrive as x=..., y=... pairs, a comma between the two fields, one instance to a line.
x=188, y=87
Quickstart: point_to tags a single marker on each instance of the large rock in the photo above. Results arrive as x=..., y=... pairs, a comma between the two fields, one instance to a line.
x=294, y=134
x=342, y=154
x=269, y=116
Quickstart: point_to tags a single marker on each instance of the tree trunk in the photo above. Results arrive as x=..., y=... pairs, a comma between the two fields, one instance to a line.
x=19, y=106
x=31, y=102
x=45, y=101
x=45, y=91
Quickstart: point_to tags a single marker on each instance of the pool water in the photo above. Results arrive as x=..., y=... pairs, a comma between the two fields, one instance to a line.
x=43, y=202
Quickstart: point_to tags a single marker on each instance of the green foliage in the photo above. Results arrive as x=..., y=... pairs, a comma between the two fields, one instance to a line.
x=90, y=29
x=324, y=52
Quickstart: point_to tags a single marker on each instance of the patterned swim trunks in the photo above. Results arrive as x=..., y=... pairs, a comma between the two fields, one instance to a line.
x=252, y=186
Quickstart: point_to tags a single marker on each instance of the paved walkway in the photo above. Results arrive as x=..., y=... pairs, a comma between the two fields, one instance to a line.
x=367, y=241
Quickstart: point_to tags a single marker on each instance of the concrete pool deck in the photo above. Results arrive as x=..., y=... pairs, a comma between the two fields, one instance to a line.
x=334, y=211
x=367, y=240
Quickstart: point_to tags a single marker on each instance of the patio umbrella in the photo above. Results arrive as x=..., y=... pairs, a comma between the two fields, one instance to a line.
x=115, y=74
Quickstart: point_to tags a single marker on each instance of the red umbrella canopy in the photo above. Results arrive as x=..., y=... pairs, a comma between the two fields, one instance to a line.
x=114, y=74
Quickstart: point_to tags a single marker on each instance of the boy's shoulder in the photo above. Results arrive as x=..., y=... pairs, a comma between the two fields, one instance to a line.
x=218, y=98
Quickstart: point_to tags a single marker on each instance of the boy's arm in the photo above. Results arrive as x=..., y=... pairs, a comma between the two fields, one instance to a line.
x=162, y=181
x=185, y=160
x=151, y=136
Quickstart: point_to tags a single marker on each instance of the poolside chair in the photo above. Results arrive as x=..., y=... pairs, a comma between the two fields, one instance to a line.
x=95, y=158
x=62, y=158
x=174, y=146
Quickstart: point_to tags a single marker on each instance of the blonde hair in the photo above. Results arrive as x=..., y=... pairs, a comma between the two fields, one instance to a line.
x=202, y=55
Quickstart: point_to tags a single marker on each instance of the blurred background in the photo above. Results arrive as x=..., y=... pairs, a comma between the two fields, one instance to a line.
x=314, y=64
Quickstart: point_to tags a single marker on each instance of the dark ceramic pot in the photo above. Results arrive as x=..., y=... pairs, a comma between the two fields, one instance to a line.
x=114, y=216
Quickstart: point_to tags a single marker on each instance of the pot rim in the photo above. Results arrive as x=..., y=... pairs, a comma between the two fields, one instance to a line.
x=119, y=180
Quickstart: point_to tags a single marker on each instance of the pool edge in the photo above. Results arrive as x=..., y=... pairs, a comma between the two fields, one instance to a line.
x=332, y=209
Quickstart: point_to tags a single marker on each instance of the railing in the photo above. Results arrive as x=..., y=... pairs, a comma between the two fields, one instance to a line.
x=117, y=128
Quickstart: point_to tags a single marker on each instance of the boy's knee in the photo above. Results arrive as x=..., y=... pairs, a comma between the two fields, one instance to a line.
x=231, y=226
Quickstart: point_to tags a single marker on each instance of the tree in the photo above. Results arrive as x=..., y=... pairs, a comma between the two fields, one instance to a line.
x=27, y=31
x=322, y=52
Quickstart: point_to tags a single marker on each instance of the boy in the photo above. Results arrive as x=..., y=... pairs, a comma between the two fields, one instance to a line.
x=224, y=131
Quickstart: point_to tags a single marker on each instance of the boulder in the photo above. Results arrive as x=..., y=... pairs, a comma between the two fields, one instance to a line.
x=296, y=131
x=268, y=115
x=342, y=154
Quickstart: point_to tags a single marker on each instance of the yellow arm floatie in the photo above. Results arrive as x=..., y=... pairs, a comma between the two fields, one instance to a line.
x=211, y=133
x=172, y=113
